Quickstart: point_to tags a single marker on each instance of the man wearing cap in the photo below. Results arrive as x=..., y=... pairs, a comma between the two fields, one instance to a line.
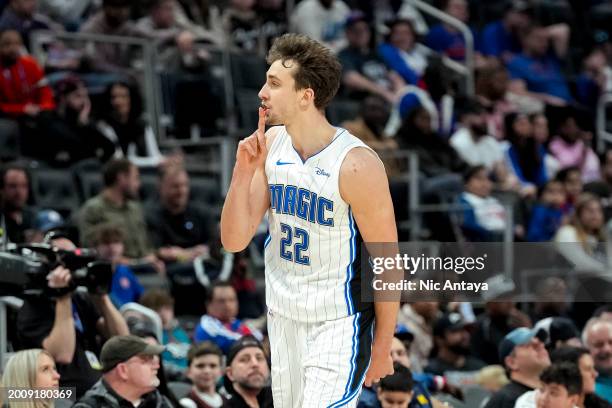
x=453, y=342
x=129, y=366
x=560, y=332
x=247, y=375
x=524, y=357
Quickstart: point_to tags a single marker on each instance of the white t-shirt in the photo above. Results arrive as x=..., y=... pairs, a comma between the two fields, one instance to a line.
x=321, y=24
x=490, y=214
x=485, y=151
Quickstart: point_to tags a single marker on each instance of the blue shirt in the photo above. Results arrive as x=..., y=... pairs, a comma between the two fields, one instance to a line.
x=393, y=59
x=450, y=43
x=177, y=344
x=540, y=177
x=125, y=287
x=603, y=387
x=544, y=223
x=542, y=75
x=495, y=40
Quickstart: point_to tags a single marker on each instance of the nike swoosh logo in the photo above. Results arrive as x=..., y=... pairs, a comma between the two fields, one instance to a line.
x=280, y=163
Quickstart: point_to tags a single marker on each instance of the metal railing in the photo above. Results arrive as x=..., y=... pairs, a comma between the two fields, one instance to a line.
x=151, y=86
x=603, y=136
x=5, y=303
x=466, y=69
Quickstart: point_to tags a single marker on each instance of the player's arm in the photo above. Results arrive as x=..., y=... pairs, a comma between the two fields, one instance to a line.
x=365, y=187
x=248, y=197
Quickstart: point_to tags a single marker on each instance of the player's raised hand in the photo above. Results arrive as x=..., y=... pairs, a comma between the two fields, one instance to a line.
x=380, y=366
x=252, y=150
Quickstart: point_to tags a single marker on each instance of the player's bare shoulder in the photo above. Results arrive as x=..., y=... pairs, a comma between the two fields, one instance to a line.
x=271, y=134
x=360, y=172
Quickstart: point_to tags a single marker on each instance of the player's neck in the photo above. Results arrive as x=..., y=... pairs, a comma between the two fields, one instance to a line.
x=310, y=133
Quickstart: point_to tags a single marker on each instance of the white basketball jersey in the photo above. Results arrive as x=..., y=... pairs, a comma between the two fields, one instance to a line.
x=312, y=251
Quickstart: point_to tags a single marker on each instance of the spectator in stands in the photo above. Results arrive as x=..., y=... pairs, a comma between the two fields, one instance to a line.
x=581, y=358
x=525, y=358
x=108, y=241
x=582, y=241
x=220, y=324
x=117, y=204
x=242, y=27
x=484, y=217
x=205, y=371
x=603, y=186
x=369, y=126
x=446, y=39
x=24, y=94
x=561, y=387
x=247, y=374
x=396, y=390
x=419, y=317
x=69, y=13
x=67, y=326
x=179, y=230
x=476, y=147
x=30, y=369
x=74, y=135
x=537, y=71
x=121, y=121
x=175, y=339
x=597, y=337
x=541, y=133
x=22, y=16
x=452, y=340
x=401, y=52
x=492, y=93
x=501, y=39
x=571, y=177
x=525, y=156
x=500, y=318
x=436, y=156
x=604, y=312
x=129, y=367
x=364, y=72
x=112, y=19
x=571, y=147
x=547, y=213
x=553, y=302
x=14, y=194
x=558, y=333
x=595, y=79
x=321, y=20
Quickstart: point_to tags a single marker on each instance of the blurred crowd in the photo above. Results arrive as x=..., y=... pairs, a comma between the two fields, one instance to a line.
x=184, y=322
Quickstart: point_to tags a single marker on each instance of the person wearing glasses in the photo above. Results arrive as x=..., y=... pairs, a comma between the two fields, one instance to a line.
x=129, y=379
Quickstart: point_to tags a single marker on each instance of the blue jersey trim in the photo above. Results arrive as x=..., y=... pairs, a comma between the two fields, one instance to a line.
x=348, y=395
x=320, y=151
x=267, y=241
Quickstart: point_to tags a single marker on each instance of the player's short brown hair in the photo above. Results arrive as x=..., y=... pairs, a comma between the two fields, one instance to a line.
x=317, y=67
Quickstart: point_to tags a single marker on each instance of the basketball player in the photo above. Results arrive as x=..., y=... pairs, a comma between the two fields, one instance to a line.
x=323, y=190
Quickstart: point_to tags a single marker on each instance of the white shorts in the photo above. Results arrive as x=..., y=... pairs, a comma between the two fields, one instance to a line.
x=319, y=364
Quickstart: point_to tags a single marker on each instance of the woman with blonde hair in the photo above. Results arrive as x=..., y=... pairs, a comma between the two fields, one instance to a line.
x=583, y=241
x=33, y=368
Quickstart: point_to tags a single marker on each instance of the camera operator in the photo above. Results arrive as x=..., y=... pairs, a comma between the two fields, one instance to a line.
x=67, y=326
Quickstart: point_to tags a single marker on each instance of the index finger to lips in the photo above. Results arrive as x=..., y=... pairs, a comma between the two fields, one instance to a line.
x=261, y=126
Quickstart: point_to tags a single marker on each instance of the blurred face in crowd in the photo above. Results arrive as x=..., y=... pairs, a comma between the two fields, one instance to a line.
x=498, y=87
x=429, y=310
x=394, y=399
x=375, y=113
x=166, y=314
x=120, y=100
x=402, y=36
x=359, y=35
x=554, y=194
x=516, y=21
x=140, y=372
x=115, y=16
x=479, y=184
x=588, y=372
x=606, y=168
x=174, y=190
x=25, y=8
x=599, y=342
x=249, y=369
x=540, y=128
x=223, y=304
x=399, y=354
x=591, y=216
x=77, y=99
x=555, y=396
x=476, y=123
x=535, y=42
x=163, y=14
x=14, y=194
x=204, y=371
x=46, y=373
x=529, y=359
x=422, y=121
x=573, y=183
x=111, y=251
x=458, y=9
x=522, y=127
x=457, y=341
x=569, y=130
x=10, y=47
x=129, y=182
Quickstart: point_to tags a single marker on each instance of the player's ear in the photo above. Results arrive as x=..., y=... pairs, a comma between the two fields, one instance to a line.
x=307, y=98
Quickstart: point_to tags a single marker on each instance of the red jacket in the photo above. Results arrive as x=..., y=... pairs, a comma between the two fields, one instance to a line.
x=24, y=83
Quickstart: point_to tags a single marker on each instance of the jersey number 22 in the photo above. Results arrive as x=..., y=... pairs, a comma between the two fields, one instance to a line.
x=293, y=243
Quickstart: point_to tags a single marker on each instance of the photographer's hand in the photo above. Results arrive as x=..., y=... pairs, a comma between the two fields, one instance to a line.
x=61, y=341
x=112, y=322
